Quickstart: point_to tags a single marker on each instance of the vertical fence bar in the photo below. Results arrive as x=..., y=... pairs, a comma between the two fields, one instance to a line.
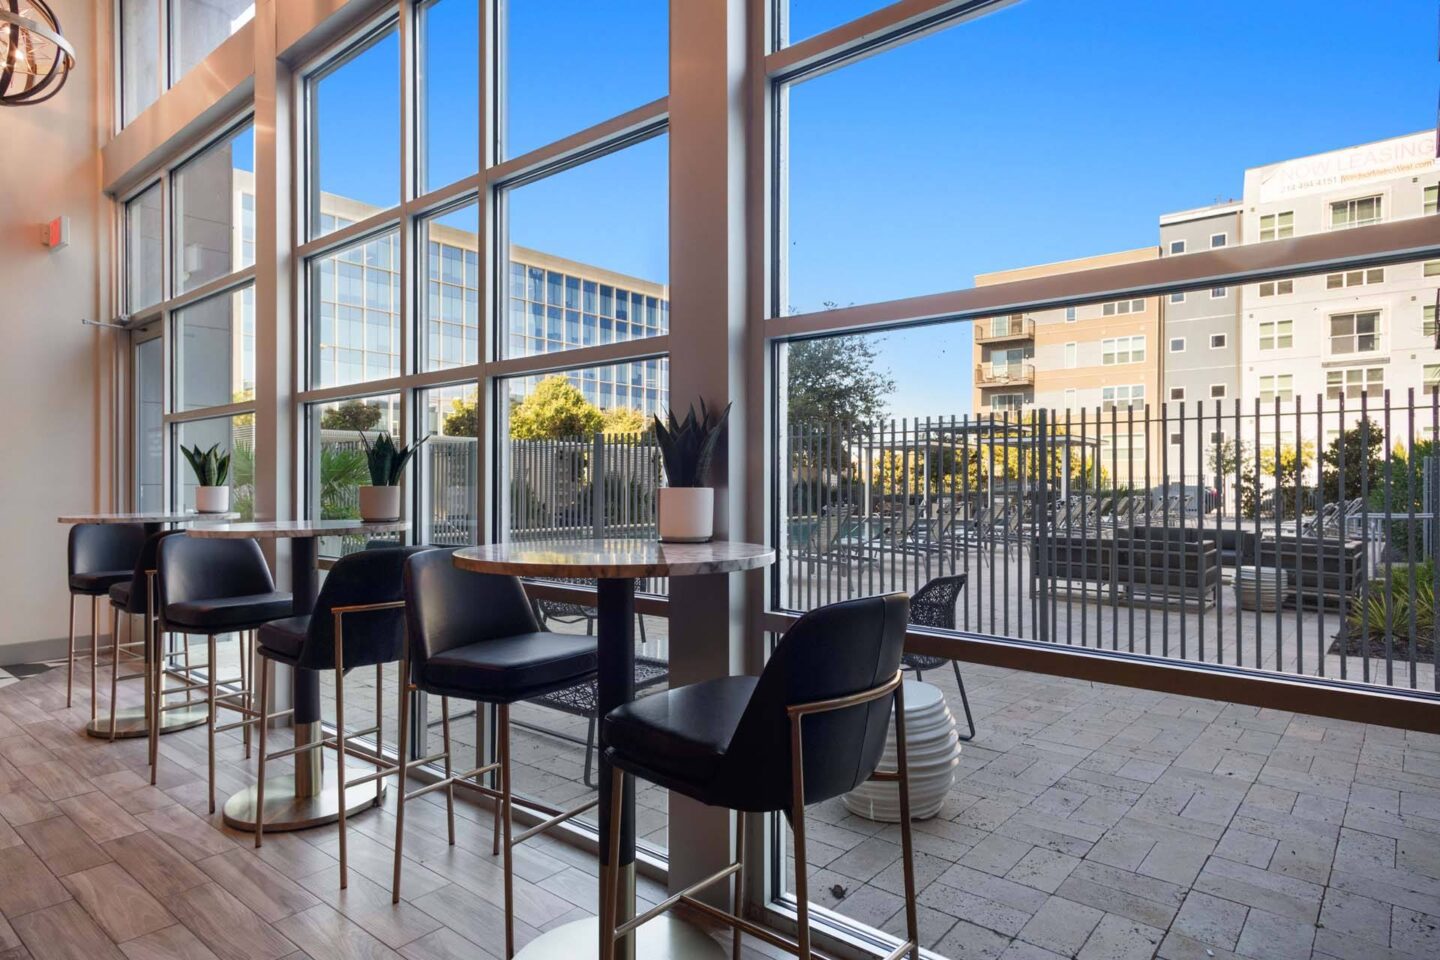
x=964, y=466
x=1412, y=483
x=1149, y=520
x=1364, y=529
x=1184, y=561
x=1130, y=519
x=1218, y=440
x=1388, y=546
x=1239, y=496
x=1277, y=501
x=1069, y=531
x=1084, y=544
x=1198, y=547
x=1165, y=522
x=1341, y=496
x=1259, y=549
x=1300, y=547
x=1320, y=535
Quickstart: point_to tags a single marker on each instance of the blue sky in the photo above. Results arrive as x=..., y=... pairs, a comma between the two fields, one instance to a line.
x=1045, y=130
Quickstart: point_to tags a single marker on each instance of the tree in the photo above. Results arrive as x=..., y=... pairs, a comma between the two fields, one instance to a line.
x=834, y=381
x=1360, y=450
x=351, y=415
x=555, y=408
x=623, y=421
x=461, y=420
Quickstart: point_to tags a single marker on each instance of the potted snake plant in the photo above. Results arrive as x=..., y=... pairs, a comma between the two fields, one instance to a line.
x=211, y=469
x=687, y=506
x=380, y=499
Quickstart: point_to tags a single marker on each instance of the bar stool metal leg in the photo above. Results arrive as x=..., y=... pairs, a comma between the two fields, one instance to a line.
x=266, y=672
x=115, y=663
x=94, y=646
x=907, y=849
x=404, y=772
x=737, y=898
x=211, y=668
x=70, y=670
x=340, y=748
x=503, y=730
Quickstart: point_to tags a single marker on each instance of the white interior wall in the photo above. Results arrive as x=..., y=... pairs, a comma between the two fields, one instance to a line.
x=55, y=375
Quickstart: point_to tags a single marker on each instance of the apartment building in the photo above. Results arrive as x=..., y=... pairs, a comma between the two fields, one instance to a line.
x=1201, y=338
x=1355, y=333
x=1096, y=360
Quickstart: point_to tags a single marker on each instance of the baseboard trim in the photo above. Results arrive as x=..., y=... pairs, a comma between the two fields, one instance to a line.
x=38, y=651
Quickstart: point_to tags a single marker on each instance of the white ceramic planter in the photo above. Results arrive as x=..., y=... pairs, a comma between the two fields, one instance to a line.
x=933, y=751
x=687, y=514
x=379, y=503
x=212, y=499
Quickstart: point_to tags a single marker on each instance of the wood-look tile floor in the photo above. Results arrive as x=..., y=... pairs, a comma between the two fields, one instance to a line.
x=95, y=863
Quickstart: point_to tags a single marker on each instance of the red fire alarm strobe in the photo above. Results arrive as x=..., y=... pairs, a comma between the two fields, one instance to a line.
x=56, y=233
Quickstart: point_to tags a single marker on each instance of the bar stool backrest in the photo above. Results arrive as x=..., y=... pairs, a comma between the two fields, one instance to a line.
x=371, y=636
x=102, y=547
x=448, y=607
x=195, y=568
x=834, y=651
x=139, y=580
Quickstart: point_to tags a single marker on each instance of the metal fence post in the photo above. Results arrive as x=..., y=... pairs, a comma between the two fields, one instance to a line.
x=597, y=484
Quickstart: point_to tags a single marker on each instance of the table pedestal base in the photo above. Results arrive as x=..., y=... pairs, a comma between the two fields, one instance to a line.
x=664, y=938
x=131, y=722
x=285, y=811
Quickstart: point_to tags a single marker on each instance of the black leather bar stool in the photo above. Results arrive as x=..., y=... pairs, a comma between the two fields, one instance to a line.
x=98, y=556
x=475, y=636
x=357, y=622
x=210, y=587
x=811, y=727
x=134, y=597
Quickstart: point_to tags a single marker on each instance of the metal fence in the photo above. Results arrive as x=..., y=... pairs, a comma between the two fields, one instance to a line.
x=1281, y=536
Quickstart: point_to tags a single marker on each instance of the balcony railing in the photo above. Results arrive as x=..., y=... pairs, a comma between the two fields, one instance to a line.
x=998, y=329
x=1297, y=541
x=1004, y=374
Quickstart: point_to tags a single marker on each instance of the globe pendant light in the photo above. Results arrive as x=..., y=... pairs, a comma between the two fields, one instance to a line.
x=35, y=59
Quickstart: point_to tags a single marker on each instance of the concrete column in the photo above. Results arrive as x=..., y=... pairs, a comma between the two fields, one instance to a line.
x=708, y=91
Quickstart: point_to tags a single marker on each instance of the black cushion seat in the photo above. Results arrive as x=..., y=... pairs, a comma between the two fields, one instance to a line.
x=227, y=613
x=284, y=639
x=680, y=736
x=512, y=668
x=120, y=594
x=97, y=583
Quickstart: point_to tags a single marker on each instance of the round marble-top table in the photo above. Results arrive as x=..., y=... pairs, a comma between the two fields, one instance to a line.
x=133, y=722
x=299, y=801
x=615, y=564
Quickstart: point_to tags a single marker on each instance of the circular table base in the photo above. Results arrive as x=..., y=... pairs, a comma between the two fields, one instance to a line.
x=285, y=811
x=664, y=938
x=131, y=722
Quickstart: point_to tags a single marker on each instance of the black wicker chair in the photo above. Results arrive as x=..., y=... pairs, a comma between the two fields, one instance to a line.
x=933, y=605
x=583, y=699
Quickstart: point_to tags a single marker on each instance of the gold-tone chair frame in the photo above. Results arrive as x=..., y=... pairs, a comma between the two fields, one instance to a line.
x=895, y=688
x=503, y=798
x=340, y=743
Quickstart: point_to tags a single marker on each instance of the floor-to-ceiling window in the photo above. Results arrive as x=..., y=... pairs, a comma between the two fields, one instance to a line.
x=159, y=41
x=1050, y=170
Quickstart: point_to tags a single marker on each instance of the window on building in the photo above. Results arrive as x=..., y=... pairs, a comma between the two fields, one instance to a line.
x=1177, y=297
x=337, y=458
x=1121, y=307
x=144, y=246
x=1432, y=268
x=1219, y=293
x=1354, y=333
x=447, y=465
x=1177, y=344
x=1008, y=402
x=1354, y=278
x=1432, y=377
x=1177, y=246
x=355, y=312
x=199, y=26
x=1072, y=355
x=1117, y=350
x=354, y=109
x=1070, y=396
x=234, y=435
x=1219, y=240
x=1279, y=386
x=1177, y=393
x=141, y=76
x=603, y=275
x=1354, y=382
x=214, y=213
x=1069, y=314
x=1217, y=391
x=1218, y=341
x=1122, y=395
x=450, y=307
x=1277, y=226
x=1357, y=212
x=1275, y=288
x=1277, y=335
x=1427, y=325
x=1432, y=199
x=215, y=351
x=448, y=91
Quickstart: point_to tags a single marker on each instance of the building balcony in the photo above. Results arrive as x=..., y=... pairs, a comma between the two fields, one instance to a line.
x=1000, y=329
x=1004, y=374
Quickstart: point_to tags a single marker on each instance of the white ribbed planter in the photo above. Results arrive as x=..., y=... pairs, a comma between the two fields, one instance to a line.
x=212, y=499
x=1260, y=588
x=933, y=752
